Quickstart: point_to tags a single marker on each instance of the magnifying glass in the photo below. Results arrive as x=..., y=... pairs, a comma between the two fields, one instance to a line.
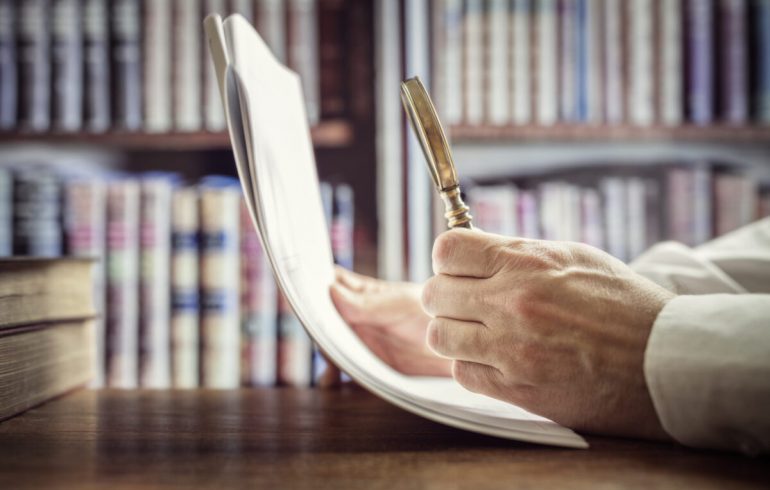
x=430, y=134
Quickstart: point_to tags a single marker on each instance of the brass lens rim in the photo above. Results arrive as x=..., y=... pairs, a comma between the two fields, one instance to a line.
x=427, y=127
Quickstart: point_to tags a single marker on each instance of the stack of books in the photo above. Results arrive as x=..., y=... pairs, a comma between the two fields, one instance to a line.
x=46, y=330
x=622, y=210
x=637, y=62
x=140, y=65
x=185, y=293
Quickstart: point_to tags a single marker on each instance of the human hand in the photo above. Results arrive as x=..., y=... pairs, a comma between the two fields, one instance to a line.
x=389, y=319
x=558, y=328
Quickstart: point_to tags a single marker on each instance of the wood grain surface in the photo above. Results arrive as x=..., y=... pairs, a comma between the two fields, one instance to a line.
x=288, y=438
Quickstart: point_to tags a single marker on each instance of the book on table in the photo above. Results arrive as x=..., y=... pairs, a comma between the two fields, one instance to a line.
x=46, y=330
x=270, y=136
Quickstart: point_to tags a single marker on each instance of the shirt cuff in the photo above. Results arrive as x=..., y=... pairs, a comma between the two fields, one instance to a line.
x=707, y=372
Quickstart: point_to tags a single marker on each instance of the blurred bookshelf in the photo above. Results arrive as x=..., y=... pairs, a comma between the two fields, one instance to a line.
x=462, y=134
x=545, y=99
x=327, y=134
x=113, y=132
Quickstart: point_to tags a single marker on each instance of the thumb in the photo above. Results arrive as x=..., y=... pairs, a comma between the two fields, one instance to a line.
x=349, y=304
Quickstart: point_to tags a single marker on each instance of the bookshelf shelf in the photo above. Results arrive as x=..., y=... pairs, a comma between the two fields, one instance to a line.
x=328, y=134
x=572, y=132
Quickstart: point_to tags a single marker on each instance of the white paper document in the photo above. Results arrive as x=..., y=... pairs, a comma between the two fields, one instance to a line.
x=271, y=141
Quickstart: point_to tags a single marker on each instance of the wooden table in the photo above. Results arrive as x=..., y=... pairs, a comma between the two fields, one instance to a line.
x=287, y=438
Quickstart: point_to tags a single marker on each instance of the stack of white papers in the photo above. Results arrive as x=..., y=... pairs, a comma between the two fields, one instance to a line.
x=274, y=154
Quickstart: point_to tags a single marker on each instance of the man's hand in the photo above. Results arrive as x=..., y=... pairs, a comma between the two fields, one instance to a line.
x=557, y=328
x=389, y=319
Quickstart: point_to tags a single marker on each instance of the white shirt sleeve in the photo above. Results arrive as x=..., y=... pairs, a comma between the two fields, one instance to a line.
x=707, y=362
x=707, y=367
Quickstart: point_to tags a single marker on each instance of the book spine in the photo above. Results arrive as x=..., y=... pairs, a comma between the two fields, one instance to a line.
x=259, y=306
x=303, y=53
x=6, y=213
x=220, y=278
x=8, y=74
x=571, y=215
x=680, y=208
x=157, y=43
x=522, y=75
x=592, y=231
x=333, y=69
x=763, y=61
x=615, y=215
x=549, y=211
x=184, y=289
x=641, y=102
x=244, y=8
x=187, y=73
x=588, y=61
x=613, y=36
x=734, y=61
x=67, y=64
x=271, y=24
x=498, y=104
x=127, y=63
x=749, y=202
x=342, y=225
x=568, y=61
x=96, y=57
x=547, y=62
x=764, y=203
x=636, y=220
x=581, y=60
x=700, y=52
x=653, y=212
x=727, y=197
x=122, y=344
x=452, y=71
x=670, y=21
x=85, y=229
x=34, y=69
x=702, y=204
x=528, y=214
x=593, y=110
x=474, y=62
x=37, y=213
x=214, y=111
x=438, y=42
x=155, y=283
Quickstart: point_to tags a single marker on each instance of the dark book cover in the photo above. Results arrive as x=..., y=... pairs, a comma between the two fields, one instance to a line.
x=8, y=87
x=126, y=33
x=333, y=69
x=37, y=229
x=761, y=20
x=733, y=45
x=67, y=64
x=34, y=64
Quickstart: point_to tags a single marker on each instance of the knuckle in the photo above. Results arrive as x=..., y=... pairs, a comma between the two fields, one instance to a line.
x=436, y=336
x=429, y=294
x=463, y=373
x=443, y=248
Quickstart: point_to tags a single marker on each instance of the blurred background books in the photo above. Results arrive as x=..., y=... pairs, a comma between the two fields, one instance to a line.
x=612, y=122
